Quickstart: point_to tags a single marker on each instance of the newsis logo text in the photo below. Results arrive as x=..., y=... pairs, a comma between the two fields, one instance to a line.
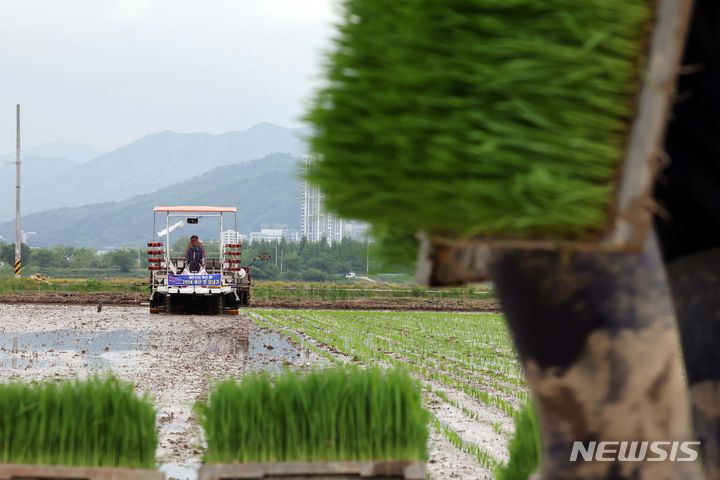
x=626, y=451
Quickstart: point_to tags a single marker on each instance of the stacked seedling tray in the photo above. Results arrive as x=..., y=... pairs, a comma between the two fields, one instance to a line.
x=93, y=429
x=481, y=124
x=335, y=423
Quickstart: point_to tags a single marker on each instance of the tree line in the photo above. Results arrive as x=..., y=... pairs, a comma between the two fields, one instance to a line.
x=282, y=260
x=61, y=256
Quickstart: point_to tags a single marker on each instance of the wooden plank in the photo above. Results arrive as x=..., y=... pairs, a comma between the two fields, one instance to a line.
x=633, y=216
x=17, y=471
x=445, y=261
x=323, y=470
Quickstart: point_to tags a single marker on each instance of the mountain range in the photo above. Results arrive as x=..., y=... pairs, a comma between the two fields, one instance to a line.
x=266, y=191
x=146, y=165
x=107, y=201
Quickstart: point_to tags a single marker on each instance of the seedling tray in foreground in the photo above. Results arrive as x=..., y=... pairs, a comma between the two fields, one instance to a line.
x=445, y=261
x=24, y=472
x=320, y=470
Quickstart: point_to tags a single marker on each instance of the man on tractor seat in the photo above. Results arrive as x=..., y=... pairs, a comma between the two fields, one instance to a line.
x=194, y=255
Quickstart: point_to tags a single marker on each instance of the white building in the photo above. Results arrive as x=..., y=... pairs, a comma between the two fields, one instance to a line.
x=355, y=230
x=231, y=236
x=267, y=234
x=317, y=223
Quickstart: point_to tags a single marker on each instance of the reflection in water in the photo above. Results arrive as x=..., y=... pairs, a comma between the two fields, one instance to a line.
x=27, y=350
x=259, y=350
x=226, y=342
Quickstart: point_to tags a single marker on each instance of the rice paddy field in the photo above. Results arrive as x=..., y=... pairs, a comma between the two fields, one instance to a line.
x=471, y=377
x=464, y=366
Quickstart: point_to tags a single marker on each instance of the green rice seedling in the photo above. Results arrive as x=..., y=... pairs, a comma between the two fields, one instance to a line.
x=336, y=414
x=467, y=352
x=483, y=457
x=98, y=422
x=503, y=118
x=525, y=447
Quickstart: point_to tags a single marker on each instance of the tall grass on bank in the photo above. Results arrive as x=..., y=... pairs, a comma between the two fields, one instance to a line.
x=72, y=285
x=465, y=117
x=525, y=447
x=341, y=413
x=95, y=422
x=330, y=292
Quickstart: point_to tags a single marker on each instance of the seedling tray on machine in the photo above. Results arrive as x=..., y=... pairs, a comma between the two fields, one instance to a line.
x=448, y=261
x=319, y=470
x=56, y=472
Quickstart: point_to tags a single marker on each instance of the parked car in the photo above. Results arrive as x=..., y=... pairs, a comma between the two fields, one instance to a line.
x=350, y=275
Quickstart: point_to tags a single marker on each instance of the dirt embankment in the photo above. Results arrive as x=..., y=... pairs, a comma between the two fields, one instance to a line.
x=74, y=298
x=440, y=305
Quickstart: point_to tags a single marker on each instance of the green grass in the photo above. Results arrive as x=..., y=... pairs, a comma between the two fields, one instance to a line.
x=525, y=447
x=73, y=285
x=341, y=413
x=466, y=117
x=262, y=290
x=77, y=273
x=341, y=292
x=95, y=422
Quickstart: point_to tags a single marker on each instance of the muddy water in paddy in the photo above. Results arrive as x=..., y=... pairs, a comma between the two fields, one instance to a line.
x=25, y=350
x=173, y=358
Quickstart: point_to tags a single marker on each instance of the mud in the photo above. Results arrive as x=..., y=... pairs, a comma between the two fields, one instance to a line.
x=176, y=359
x=420, y=304
x=173, y=358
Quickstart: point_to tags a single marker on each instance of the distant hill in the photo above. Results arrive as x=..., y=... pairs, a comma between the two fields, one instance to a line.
x=267, y=190
x=75, y=151
x=145, y=165
x=38, y=175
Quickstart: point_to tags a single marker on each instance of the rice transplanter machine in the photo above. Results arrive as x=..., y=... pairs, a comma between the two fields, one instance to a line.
x=220, y=284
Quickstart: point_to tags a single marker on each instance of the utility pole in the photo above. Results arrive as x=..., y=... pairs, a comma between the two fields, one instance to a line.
x=18, y=231
x=367, y=258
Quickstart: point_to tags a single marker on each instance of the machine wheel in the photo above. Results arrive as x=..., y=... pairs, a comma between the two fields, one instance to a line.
x=168, y=304
x=244, y=297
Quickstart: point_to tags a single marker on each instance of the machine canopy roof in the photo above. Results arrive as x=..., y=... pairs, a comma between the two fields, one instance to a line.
x=195, y=209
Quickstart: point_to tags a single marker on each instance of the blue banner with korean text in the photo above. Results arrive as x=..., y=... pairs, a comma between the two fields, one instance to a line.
x=207, y=280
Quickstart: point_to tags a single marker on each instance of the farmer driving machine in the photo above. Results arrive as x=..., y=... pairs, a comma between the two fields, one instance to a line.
x=216, y=284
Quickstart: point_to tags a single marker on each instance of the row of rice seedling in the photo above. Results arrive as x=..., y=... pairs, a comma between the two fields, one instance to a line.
x=384, y=352
x=296, y=337
x=337, y=414
x=438, y=346
x=343, y=292
x=483, y=457
x=436, y=363
x=525, y=447
x=99, y=422
x=471, y=353
x=418, y=344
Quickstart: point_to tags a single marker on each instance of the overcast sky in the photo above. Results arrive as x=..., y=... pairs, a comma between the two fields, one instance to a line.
x=104, y=72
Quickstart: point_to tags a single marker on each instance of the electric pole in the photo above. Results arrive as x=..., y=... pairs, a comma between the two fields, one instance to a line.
x=18, y=231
